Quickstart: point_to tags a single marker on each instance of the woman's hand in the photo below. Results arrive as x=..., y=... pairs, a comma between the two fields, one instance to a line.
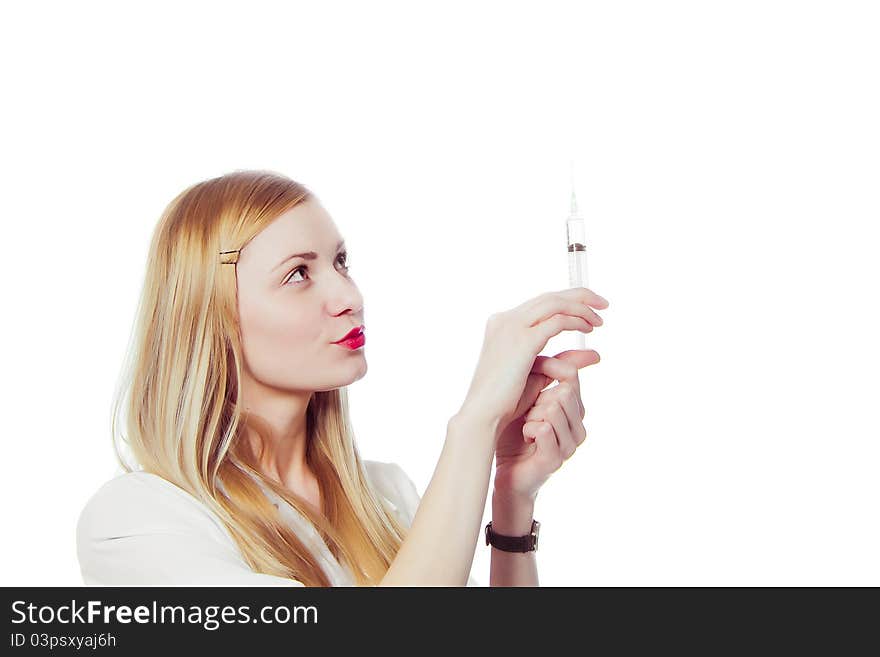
x=535, y=445
x=503, y=387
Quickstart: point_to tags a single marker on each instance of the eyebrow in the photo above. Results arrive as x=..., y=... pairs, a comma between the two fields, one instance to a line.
x=308, y=255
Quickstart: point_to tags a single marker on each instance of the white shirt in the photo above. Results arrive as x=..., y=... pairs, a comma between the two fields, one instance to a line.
x=139, y=529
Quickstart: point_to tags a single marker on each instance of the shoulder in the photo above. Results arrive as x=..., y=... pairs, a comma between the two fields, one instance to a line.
x=141, y=502
x=140, y=529
x=392, y=482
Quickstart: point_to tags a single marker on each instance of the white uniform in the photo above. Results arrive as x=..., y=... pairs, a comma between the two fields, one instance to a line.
x=139, y=529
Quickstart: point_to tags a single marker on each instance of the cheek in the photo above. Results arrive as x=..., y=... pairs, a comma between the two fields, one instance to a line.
x=278, y=337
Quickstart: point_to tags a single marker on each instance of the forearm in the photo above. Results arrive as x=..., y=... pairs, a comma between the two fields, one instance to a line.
x=512, y=518
x=439, y=548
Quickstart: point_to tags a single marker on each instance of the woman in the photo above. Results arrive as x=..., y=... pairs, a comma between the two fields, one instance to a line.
x=242, y=466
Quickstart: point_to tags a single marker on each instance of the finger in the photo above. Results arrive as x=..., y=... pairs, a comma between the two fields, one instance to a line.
x=582, y=295
x=557, y=410
x=547, y=369
x=545, y=373
x=545, y=308
x=574, y=397
x=570, y=401
x=564, y=366
x=569, y=397
x=543, y=331
x=535, y=383
x=530, y=431
x=546, y=447
x=540, y=371
x=579, y=358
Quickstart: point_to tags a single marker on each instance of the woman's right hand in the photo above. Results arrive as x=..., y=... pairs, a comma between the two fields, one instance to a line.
x=512, y=342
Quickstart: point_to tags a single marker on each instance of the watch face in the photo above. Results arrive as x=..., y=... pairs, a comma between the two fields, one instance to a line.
x=536, y=532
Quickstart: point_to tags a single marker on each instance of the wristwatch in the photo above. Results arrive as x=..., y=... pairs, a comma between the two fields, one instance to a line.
x=527, y=543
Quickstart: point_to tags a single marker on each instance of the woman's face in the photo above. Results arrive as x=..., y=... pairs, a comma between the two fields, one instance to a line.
x=292, y=310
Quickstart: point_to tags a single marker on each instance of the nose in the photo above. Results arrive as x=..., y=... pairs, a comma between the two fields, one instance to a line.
x=347, y=296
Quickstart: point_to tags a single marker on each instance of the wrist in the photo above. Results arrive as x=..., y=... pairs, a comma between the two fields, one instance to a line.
x=512, y=514
x=470, y=440
x=475, y=421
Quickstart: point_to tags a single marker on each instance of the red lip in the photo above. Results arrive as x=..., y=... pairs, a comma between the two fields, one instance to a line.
x=353, y=343
x=353, y=333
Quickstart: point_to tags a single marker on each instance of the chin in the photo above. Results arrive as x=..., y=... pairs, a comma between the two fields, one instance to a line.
x=351, y=379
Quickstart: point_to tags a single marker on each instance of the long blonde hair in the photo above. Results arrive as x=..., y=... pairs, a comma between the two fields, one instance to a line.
x=185, y=420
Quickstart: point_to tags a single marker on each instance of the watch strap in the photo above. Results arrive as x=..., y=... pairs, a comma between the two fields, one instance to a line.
x=527, y=543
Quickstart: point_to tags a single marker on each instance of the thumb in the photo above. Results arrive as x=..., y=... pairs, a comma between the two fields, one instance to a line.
x=564, y=365
x=547, y=369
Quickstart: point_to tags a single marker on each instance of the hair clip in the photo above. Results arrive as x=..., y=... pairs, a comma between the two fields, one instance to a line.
x=229, y=257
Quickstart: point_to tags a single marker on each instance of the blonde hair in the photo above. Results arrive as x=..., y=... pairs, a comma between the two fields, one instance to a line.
x=185, y=420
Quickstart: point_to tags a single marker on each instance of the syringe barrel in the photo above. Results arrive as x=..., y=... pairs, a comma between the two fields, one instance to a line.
x=577, y=252
x=575, y=231
x=577, y=265
x=577, y=277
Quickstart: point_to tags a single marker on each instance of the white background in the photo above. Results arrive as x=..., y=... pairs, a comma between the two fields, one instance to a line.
x=726, y=160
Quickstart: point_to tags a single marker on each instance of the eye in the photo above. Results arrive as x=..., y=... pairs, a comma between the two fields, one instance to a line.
x=342, y=256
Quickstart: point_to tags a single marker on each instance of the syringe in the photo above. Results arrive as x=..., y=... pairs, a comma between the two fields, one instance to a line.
x=577, y=250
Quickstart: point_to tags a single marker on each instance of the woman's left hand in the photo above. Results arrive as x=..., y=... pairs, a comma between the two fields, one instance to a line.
x=534, y=446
